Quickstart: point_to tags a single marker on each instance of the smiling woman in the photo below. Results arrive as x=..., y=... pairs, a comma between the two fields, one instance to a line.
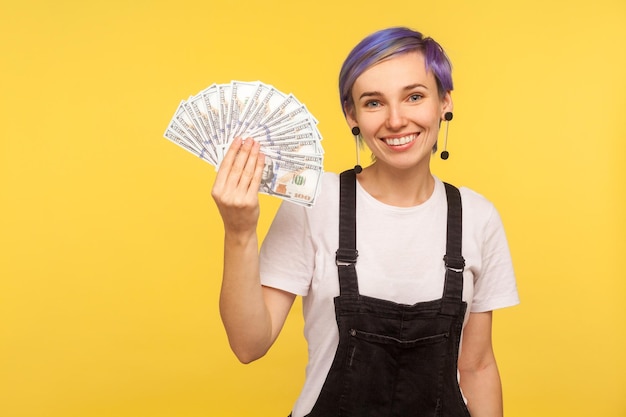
x=111, y=249
x=433, y=260
x=398, y=108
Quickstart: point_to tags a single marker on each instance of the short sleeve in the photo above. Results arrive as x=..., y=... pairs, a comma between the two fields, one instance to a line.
x=287, y=253
x=495, y=286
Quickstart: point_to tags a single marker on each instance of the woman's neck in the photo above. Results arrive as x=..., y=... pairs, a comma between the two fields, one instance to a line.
x=395, y=187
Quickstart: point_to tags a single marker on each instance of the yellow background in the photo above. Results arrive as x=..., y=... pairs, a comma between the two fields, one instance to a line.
x=111, y=247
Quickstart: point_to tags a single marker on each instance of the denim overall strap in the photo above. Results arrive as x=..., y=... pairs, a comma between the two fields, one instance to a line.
x=347, y=254
x=453, y=260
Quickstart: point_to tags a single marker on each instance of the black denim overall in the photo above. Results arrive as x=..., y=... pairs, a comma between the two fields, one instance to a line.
x=394, y=359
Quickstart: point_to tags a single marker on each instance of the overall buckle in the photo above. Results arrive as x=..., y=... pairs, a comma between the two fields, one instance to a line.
x=454, y=263
x=345, y=257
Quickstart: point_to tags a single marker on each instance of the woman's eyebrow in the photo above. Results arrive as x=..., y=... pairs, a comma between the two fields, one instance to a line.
x=412, y=86
x=370, y=94
x=378, y=93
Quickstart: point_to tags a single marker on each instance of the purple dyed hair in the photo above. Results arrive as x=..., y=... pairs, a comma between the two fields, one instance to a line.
x=385, y=44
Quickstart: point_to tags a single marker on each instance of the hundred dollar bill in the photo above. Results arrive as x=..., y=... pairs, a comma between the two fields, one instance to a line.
x=289, y=104
x=308, y=125
x=302, y=130
x=202, y=154
x=190, y=115
x=211, y=105
x=305, y=147
x=248, y=95
x=214, y=107
x=297, y=183
x=275, y=109
x=299, y=114
x=271, y=99
x=224, y=100
x=183, y=128
x=295, y=157
x=244, y=95
x=202, y=111
x=191, y=109
x=276, y=140
x=197, y=108
x=184, y=120
x=182, y=134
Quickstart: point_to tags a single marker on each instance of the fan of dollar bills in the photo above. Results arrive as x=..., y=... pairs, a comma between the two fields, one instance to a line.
x=207, y=123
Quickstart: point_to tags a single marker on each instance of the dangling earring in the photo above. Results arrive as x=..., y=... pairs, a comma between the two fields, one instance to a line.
x=445, y=154
x=356, y=132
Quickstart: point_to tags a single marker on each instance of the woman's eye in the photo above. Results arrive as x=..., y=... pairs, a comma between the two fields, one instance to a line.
x=372, y=103
x=415, y=97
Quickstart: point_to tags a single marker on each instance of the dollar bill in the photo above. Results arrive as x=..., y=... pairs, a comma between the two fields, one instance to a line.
x=224, y=97
x=193, y=112
x=307, y=126
x=206, y=120
x=206, y=123
x=294, y=157
x=185, y=121
x=276, y=140
x=271, y=100
x=171, y=135
x=303, y=147
x=211, y=105
x=297, y=183
x=248, y=98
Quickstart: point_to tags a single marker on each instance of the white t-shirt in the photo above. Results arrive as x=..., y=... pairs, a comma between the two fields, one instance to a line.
x=400, y=259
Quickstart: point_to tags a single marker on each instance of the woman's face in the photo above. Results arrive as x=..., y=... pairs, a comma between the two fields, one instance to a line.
x=398, y=110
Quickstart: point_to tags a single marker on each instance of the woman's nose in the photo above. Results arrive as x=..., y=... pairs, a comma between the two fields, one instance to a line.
x=395, y=118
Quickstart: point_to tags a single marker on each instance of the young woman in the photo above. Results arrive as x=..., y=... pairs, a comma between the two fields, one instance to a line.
x=399, y=272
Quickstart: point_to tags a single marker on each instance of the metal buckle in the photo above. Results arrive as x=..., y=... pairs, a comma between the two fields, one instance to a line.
x=344, y=257
x=453, y=263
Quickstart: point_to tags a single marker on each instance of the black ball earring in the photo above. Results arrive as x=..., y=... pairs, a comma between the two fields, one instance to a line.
x=356, y=132
x=447, y=117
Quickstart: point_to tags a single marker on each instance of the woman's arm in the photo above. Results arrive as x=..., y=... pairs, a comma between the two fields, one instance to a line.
x=480, y=379
x=252, y=314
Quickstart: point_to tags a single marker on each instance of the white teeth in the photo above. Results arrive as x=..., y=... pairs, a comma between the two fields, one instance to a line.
x=400, y=141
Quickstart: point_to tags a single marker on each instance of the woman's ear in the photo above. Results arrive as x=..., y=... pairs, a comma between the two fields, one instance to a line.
x=447, y=104
x=350, y=116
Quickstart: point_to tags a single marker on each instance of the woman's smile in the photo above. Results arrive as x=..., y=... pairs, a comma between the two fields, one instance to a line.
x=400, y=140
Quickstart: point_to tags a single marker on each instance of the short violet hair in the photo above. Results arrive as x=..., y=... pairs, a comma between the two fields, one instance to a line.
x=388, y=43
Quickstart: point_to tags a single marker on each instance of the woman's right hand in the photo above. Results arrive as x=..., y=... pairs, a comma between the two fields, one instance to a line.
x=236, y=186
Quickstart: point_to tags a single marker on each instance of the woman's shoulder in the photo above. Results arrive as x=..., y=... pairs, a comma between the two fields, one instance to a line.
x=330, y=178
x=474, y=198
x=479, y=209
x=329, y=189
x=475, y=205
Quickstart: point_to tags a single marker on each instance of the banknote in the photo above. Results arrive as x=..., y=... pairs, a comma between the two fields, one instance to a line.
x=206, y=124
x=272, y=99
x=304, y=147
x=295, y=182
x=171, y=135
x=301, y=127
x=246, y=99
x=224, y=104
